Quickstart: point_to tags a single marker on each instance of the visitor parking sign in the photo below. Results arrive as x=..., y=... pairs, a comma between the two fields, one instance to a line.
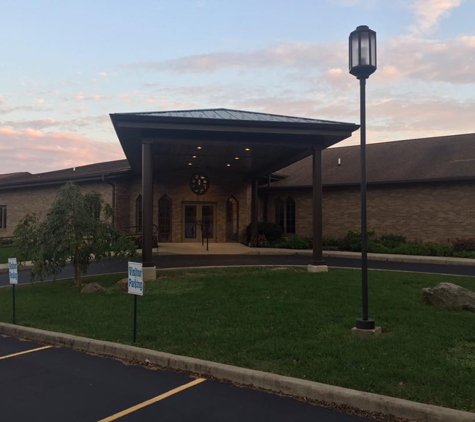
x=135, y=283
x=13, y=270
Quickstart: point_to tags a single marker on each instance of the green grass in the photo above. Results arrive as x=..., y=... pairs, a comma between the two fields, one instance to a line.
x=7, y=252
x=285, y=321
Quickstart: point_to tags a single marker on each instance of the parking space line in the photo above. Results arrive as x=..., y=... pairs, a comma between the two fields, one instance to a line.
x=154, y=400
x=25, y=352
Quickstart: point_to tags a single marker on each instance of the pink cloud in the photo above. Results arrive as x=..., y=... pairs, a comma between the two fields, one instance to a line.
x=36, y=151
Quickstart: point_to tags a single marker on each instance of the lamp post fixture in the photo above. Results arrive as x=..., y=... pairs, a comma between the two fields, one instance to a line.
x=362, y=50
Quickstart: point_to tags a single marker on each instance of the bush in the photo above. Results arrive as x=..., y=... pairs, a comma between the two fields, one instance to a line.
x=439, y=249
x=412, y=248
x=296, y=242
x=271, y=231
x=352, y=240
x=332, y=243
x=259, y=241
x=6, y=242
x=464, y=245
x=391, y=241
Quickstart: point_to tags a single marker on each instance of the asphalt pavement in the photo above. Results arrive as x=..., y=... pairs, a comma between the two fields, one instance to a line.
x=186, y=261
x=44, y=383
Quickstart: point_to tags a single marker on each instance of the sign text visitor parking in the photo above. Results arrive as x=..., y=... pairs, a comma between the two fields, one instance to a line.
x=135, y=283
x=13, y=270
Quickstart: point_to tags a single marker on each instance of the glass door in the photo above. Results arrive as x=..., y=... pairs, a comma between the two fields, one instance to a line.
x=199, y=222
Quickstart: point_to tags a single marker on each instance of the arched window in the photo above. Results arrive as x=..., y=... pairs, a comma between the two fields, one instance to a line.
x=290, y=216
x=285, y=215
x=280, y=213
x=165, y=219
x=232, y=220
x=138, y=214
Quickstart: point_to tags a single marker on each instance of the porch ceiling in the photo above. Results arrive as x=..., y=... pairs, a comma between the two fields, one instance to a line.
x=249, y=147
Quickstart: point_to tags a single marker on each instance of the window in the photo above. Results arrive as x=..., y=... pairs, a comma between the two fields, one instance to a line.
x=3, y=216
x=165, y=219
x=285, y=215
x=290, y=216
x=279, y=214
x=138, y=214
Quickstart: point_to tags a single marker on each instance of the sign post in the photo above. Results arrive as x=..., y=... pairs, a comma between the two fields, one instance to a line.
x=13, y=276
x=135, y=286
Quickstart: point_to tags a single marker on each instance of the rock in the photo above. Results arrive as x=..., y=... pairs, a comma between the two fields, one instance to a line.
x=123, y=283
x=450, y=296
x=92, y=288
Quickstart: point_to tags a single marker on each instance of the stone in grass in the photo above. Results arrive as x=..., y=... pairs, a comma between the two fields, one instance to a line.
x=123, y=283
x=92, y=288
x=450, y=296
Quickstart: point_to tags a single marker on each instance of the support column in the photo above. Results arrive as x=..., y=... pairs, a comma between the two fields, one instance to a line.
x=149, y=270
x=254, y=209
x=317, y=264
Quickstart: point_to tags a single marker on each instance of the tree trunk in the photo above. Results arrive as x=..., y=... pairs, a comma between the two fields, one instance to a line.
x=77, y=272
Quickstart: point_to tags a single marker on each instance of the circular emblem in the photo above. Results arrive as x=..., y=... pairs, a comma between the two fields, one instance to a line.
x=199, y=183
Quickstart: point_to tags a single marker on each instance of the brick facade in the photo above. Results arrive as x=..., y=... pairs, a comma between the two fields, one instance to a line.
x=20, y=202
x=435, y=212
x=419, y=211
x=176, y=186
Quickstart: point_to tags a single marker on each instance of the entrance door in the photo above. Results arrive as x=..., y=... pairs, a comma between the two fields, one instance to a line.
x=199, y=222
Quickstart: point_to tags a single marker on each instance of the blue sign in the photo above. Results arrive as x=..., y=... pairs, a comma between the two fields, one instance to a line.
x=13, y=270
x=135, y=283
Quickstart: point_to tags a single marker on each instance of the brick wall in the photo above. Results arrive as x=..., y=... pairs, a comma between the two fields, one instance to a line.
x=20, y=202
x=425, y=211
x=176, y=186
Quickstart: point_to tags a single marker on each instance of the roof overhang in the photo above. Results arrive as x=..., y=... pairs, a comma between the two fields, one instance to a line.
x=251, y=148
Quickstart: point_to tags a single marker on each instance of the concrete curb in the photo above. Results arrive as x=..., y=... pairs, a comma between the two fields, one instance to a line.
x=247, y=377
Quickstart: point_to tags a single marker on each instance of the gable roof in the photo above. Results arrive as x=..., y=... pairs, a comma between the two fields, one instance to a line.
x=413, y=160
x=230, y=114
x=88, y=172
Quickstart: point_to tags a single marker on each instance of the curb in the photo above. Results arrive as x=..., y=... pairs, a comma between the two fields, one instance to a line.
x=295, y=387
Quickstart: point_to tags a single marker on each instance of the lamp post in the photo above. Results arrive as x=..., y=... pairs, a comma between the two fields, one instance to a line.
x=362, y=55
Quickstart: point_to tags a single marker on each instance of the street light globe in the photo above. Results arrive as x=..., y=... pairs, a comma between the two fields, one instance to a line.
x=362, y=49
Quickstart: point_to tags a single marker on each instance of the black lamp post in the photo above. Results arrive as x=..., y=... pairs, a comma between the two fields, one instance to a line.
x=362, y=64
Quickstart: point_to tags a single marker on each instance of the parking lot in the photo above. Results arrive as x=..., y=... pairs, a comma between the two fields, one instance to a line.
x=44, y=383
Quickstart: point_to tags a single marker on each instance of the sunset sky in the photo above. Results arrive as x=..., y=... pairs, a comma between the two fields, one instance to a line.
x=65, y=65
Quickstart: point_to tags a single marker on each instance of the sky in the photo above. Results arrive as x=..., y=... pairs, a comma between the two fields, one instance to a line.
x=66, y=65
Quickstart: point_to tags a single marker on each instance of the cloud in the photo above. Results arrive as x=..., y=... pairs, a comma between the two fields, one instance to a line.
x=284, y=54
x=428, y=13
x=36, y=151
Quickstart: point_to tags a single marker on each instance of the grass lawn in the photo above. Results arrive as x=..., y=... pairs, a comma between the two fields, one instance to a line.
x=7, y=252
x=285, y=321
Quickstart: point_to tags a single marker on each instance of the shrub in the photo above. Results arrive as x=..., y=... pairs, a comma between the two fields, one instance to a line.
x=464, y=245
x=332, y=243
x=271, y=231
x=352, y=240
x=412, y=248
x=296, y=242
x=259, y=241
x=439, y=249
x=391, y=241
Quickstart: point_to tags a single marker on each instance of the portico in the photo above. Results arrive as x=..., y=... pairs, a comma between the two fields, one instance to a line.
x=208, y=164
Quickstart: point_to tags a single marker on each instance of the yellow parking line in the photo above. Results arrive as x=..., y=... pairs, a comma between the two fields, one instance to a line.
x=154, y=400
x=25, y=352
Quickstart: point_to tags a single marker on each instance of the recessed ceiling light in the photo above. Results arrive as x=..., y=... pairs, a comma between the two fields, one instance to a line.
x=236, y=158
x=190, y=164
x=194, y=156
x=228, y=165
x=247, y=149
x=198, y=147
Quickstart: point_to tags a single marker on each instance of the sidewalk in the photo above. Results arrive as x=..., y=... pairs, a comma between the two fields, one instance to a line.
x=240, y=249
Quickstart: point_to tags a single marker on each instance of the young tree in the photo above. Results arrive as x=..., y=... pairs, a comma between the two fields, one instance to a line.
x=77, y=229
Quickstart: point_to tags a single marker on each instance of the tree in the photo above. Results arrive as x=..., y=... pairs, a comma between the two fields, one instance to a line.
x=77, y=229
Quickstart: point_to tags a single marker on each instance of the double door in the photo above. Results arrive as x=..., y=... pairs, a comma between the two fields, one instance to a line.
x=199, y=221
